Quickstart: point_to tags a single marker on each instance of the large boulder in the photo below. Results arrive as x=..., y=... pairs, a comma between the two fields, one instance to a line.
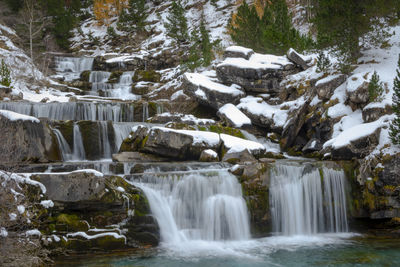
x=326, y=86
x=297, y=58
x=238, y=52
x=373, y=112
x=26, y=139
x=233, y=117
x=359, y=95
x=210, y=93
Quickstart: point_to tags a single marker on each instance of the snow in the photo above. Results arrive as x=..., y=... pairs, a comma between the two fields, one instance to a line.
x=13, y=116
x=178, y=94
x=204, y=81
x=235, y=144
x=187, y=118
x=347, y=122
x=357, y=132
x=91, y=171
x=339, y=110
x=34, y=232
x=211, y=152
x=199, y=137
x=239, y=49
x=120, y=189
x=3, y=232
x=21, y=209
x=247, y=64
x=327, y=79
x=237, y=117
x=303, y=57
x=86, y=236
x=12, y=216
x=47, y=204
x=22, y=179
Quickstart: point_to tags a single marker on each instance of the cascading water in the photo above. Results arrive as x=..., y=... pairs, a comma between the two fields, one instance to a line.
x=71, y=67
x=145, y=111
x=63, y=145
x=79, y=149
x=197, y=206
x=104, y=140
x=99, y=80
x=301, y=204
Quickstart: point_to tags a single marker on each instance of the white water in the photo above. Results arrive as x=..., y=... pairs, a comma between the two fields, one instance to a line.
x=79, y=149
x=145, y=111
x=302, y=205
x=71, y=67
x=204, y=206
x=63, y=145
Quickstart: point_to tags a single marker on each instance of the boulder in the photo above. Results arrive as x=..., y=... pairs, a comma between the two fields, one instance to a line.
x=373, y=113
x=358, y=148
x=360, y=95
x=180, y=118
x=313, y=145
x=4, y=91
x=233, y=117
x=326, y=86
x=298, y=59
x=136, y=157
x=238, y=52
x=210, y=93
x=209, y=155
x=26, y=139
x=254, y=78
x=239, y=157
x=241, y=147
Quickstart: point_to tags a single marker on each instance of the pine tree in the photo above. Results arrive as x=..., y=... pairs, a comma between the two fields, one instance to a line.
x=206, y=45
x=375, y=88
x=134, y=17
x=177, y=23
x=5, y=78
x=323, y=62
x=395, y=125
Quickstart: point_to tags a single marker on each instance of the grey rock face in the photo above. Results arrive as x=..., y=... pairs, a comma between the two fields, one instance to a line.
x=360, y=95
x=297, y=58
x=27, y=141
x=326, y=87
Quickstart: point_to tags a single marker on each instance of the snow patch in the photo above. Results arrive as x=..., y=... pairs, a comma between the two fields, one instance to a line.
x=13, y=116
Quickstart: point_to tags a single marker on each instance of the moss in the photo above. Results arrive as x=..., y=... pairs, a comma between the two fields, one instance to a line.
x=226, y=130
x=67, y=130
x=72, y=221
x=115, y=76
x=85, y=76
x=146, y=76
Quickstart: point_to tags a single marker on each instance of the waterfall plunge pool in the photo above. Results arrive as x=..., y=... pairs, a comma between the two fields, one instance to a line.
x=204, y=222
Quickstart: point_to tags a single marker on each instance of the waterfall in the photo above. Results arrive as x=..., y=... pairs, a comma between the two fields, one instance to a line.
x=99, y=80
x=121, y=131
x=104, y=140
x=117, y=112
x=63, y=145
x=145, y=111
x=79, y=149
x=197, y=206
x=71, y=67
x=302, y=204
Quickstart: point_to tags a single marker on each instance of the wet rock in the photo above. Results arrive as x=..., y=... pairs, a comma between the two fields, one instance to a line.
x=27, y=141
x=239, y=157
x=313, y=145
x=326, y=87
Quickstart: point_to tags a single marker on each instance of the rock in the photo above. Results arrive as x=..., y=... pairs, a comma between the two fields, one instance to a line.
x=238, y=52
x=233, y=145
x=210, y=93
x=146, y=76
x=293, y=125
x=27, y=141
x=180, y=118
x=136, y=157
x=371, y=114
x=45, y=100
x=360, y=95
x=313, y=145
x=298, y=59
x=209, y=155
x=239, y=157
x=264, y=79
x=4, y=91
x=359, y=148
x=233, y=117
x=326, y=86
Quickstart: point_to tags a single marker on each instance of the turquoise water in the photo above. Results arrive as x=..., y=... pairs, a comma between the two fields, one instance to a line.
x=318, y=250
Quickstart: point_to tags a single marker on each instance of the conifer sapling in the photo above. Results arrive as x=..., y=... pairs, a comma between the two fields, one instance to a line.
x=394, y=131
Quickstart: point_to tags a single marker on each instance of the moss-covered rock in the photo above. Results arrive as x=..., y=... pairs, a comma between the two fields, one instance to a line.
x=146, y=76
x=115, y=76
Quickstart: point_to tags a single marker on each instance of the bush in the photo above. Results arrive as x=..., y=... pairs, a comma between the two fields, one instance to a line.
x=5, y=78
x=323, y=63
x=375, y=88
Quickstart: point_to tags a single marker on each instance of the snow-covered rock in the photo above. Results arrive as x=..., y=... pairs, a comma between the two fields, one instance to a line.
x=208, y=155
x=326, y=86
x=210, y=93
x=233, y=116
x=238, y=52
x=298, y=59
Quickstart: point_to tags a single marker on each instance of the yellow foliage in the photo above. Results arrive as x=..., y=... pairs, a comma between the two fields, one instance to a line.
x=104, y=10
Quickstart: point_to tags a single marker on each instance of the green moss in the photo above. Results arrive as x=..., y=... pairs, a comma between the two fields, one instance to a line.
x=115, y=76
x=72, y=221
x=226, y=130
x=85, y=76
x=146, y=76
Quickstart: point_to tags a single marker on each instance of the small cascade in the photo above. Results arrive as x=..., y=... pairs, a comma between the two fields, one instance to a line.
x=194, y=205
x=99, y=80
x=79, y=149
x=145, y=111
x=160, y=108
x=104, y=140
x=117, y=112
x=71, y=67
x=63, y=145
x=306, y=200
x=122, y=89
x=121, y=131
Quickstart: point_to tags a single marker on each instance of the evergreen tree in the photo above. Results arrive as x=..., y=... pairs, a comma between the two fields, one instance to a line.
x=323, y=62
x=375, y=88
x=206, y=45
x=135, y=16
x=5, y=78
x=272, y=33
x=177, y=23
x=395, y=125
